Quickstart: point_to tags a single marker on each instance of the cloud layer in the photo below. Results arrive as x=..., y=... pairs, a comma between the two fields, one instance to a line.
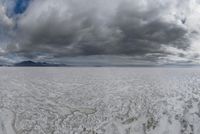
x=148, y=30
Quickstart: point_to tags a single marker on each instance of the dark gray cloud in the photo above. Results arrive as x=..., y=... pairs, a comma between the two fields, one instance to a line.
x=145, y=32
x=147, y=29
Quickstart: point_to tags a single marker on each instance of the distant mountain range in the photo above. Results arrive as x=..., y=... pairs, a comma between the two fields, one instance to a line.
x=30, y=63
x=36, y=64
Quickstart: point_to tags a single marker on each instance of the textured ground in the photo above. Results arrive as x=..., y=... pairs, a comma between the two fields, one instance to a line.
x=99, y=101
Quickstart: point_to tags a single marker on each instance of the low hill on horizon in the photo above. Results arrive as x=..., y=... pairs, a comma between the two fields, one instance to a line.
x=36, y=64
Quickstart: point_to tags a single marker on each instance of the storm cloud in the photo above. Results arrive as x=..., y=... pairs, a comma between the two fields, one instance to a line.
x=153, y=30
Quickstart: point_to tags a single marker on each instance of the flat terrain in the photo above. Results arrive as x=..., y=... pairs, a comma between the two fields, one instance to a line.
x=99, y=100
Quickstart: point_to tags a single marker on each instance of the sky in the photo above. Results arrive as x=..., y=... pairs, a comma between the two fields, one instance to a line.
x=115, y=32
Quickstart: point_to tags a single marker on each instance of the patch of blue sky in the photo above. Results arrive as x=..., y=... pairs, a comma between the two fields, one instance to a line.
x=21, y=6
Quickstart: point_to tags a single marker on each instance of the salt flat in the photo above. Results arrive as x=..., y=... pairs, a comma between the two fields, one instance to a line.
x=99, y=100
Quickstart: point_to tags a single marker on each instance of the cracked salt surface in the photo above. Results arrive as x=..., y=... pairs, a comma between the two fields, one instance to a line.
x=99, y=101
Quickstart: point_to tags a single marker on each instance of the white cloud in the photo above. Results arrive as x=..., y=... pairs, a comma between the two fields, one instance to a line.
x=5, y=21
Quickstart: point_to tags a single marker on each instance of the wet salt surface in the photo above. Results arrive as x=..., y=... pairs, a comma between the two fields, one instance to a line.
x=99, y=100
